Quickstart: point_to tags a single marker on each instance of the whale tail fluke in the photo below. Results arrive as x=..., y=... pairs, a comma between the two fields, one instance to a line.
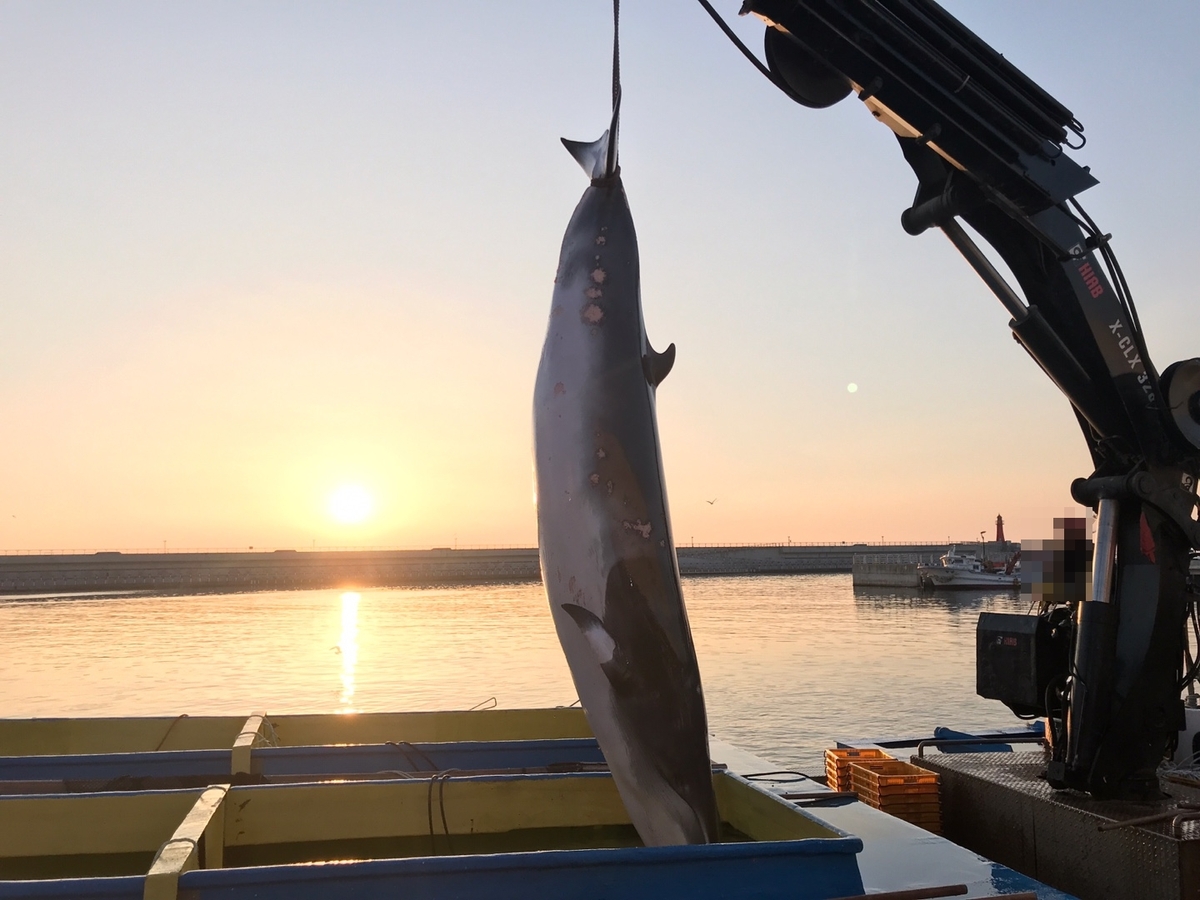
x=592, y=157
x=599, y=158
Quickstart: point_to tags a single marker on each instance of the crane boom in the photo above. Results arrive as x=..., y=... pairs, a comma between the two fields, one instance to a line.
x=989, y=148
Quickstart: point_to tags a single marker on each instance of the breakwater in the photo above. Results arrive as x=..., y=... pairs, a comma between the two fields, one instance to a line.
x=895, y=568
x=197, y=572
x=890, y=569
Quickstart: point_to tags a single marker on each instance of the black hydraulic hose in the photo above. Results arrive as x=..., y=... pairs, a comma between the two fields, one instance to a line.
x=758, y=64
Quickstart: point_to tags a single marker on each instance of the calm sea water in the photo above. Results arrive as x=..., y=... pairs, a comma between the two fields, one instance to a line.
x=789, y=663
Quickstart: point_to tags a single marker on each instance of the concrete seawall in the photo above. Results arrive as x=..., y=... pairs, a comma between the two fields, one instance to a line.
x=890, y=569
x=291, y=569
x=895, y=568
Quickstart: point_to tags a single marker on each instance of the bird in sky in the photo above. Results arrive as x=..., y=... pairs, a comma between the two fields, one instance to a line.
x=711, y=502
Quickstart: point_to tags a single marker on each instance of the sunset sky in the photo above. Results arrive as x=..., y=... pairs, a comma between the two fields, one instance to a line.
x=277, y=273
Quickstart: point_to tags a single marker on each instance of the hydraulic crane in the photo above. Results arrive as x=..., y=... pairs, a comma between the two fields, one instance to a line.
x=989, y=149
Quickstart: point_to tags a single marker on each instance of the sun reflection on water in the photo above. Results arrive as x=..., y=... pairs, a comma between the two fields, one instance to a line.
x=790, y=663
x=348, y=645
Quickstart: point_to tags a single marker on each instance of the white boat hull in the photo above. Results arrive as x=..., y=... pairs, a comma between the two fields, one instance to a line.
x=957, y=571
x=940, y=579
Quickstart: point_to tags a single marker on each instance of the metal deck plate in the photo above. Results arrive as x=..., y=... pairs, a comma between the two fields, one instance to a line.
x=998, y=804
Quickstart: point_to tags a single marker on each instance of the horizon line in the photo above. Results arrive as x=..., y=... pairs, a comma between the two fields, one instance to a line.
x=85, y=551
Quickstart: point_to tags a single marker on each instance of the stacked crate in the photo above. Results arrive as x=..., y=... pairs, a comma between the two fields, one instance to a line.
x=900, y=789
x=838, y=761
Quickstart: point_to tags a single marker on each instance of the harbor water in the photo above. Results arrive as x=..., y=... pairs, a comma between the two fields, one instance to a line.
x=790, y=663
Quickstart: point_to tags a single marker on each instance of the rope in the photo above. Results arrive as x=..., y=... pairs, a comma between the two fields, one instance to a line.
x=170, y=728
x=771, y=776
x=417, y=754
x=441, y=778
x=610, y=164
x=616, y=52
x=270, y=737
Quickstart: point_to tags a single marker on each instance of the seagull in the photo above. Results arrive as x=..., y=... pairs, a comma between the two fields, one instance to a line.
x=711, y=502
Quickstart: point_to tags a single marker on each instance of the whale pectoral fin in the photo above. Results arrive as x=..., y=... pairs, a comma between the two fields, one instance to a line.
x=592, y=157
x=657, y=366
x=612, y=661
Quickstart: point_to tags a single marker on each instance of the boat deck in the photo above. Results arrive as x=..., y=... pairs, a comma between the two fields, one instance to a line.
x=262, y=799
x=896, y=855
x=998, y=804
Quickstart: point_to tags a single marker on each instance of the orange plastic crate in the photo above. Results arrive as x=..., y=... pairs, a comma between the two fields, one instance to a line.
x=839, y=759
x=902, y=790
x=893, y=773
x=858, y=777
x=894, y=777
x=915, y=802
x=901, y=793
x=886, y=784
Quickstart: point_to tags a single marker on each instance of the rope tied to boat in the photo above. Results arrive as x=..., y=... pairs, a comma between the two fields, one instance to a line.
x=414, y=756
x=441, y=778
x=170, y=728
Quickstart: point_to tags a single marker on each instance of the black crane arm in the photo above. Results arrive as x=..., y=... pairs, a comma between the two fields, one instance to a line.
x=989, y=148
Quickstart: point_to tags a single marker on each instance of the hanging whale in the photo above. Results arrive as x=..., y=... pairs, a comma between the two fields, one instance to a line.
x=607, y=556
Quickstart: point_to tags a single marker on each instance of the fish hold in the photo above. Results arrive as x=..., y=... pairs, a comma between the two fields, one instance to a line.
x=608, y=559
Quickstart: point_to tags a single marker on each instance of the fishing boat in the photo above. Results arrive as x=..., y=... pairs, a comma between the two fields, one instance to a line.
x=956, y=570
x=482, y=804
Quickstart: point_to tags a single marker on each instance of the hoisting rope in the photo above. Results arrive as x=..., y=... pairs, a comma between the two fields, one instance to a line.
x=610, y=164
x=616, y=53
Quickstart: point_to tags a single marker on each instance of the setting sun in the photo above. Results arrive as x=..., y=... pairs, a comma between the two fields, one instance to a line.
x=351, y=504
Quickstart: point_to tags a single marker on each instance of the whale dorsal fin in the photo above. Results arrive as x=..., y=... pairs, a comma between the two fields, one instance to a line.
x=657, y=366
